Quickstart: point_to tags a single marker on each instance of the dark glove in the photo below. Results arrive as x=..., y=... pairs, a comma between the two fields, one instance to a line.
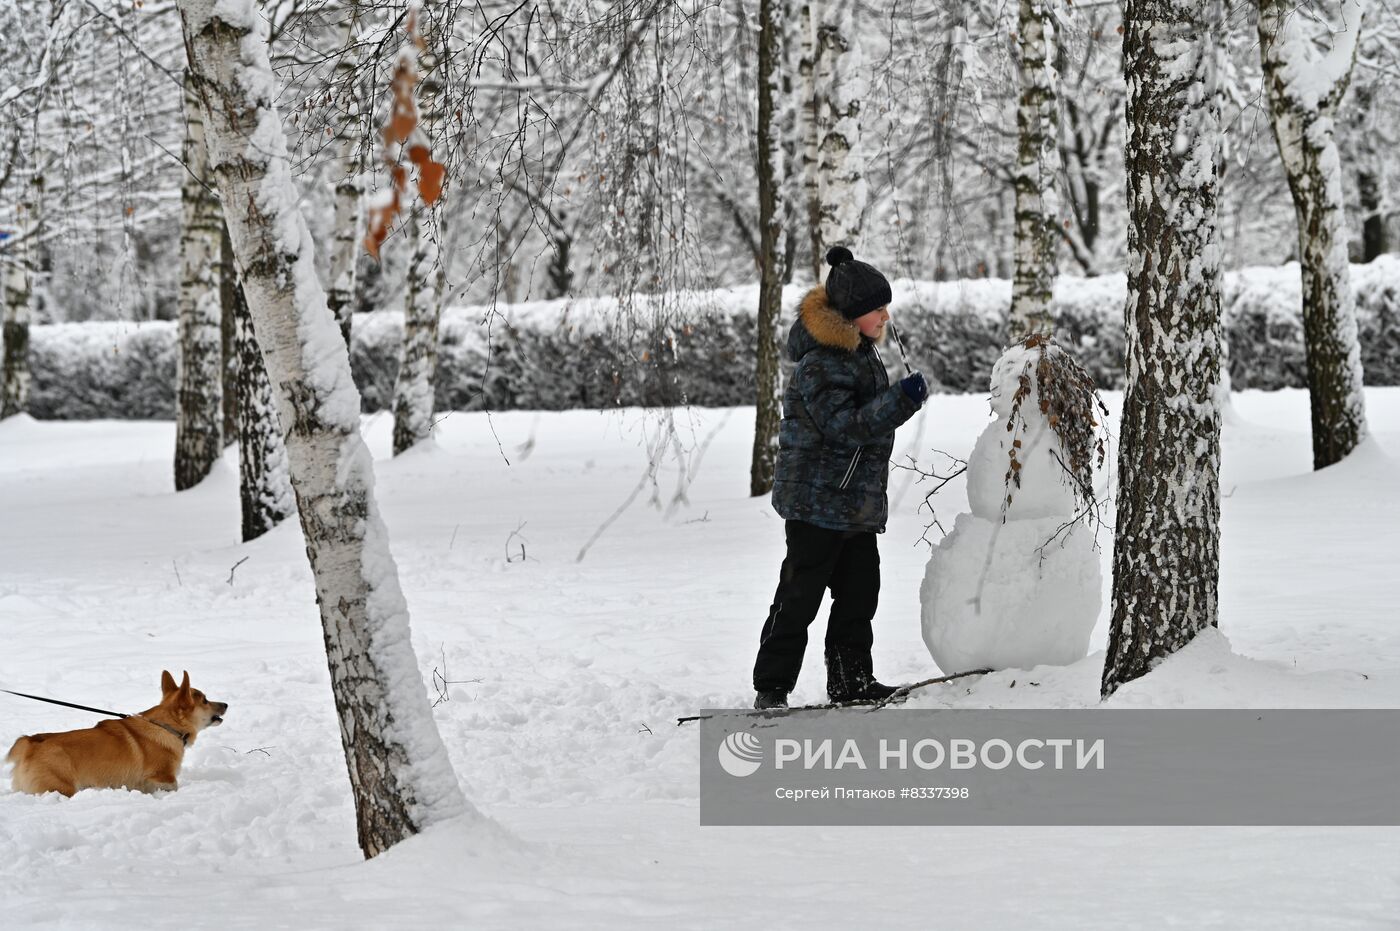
x=915, y=386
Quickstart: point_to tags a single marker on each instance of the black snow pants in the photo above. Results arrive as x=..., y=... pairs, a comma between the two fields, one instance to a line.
x=847, y=562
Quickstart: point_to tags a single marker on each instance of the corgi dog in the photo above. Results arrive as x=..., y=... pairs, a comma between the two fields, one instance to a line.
x=142, y=751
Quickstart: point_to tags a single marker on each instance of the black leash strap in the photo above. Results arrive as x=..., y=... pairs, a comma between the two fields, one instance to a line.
x=184, y=738
x=66, y=704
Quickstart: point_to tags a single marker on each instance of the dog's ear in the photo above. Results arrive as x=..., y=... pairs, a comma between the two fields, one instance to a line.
x=185, y=686
x=167, y=683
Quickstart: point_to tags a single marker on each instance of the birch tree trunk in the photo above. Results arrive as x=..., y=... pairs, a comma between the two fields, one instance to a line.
x=367, y=291
x=791, y=201
x=1037, y=163
x=230, y=299
x=344, y=238
x=559, y=273
x=398, y=767
x=811, y=134
x=348, y=197
x=943, y=117
x=1167, y=536
x=199, y=414
x=413, y=388
x=14, y=381
x=768, y=376
x=264, y=484
x=1304, y=94
x=841, y=88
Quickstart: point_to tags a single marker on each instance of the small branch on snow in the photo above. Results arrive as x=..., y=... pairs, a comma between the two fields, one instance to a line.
x=235, y=569
x=514, y=533
x=441, y=682
x=900, y=694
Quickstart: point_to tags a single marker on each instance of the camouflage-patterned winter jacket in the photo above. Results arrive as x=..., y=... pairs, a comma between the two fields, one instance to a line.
x=839, y=416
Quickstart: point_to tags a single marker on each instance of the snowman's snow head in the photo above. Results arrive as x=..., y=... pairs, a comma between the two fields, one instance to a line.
x=1017, y=361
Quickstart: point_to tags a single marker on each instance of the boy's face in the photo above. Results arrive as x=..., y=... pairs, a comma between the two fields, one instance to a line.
x=873, y=324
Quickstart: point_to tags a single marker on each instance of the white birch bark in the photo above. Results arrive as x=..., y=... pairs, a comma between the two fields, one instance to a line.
x=841, y=90
x=1037, y=164
x=1305, y=91
x=1167, y=534
x=349, y=198
x=199, y=397
x=398, y=767
x=413, y=387
x=768, y=374
x=345, y=236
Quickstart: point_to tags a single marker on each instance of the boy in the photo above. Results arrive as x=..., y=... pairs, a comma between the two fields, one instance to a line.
x=834, y=444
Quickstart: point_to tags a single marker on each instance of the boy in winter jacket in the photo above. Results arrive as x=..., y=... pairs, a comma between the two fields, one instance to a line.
x=834, y=445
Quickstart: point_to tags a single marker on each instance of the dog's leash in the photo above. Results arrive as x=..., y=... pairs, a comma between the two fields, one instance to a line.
x=184, y=738
x=67, y=704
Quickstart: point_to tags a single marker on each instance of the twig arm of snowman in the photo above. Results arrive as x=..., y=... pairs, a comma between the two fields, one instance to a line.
x=829, y=395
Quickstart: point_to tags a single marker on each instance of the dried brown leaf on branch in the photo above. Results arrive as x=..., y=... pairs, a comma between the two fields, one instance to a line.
x=403, y=137
x=1067, y=397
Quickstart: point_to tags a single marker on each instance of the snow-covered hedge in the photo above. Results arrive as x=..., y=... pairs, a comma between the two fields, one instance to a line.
x=698, y=349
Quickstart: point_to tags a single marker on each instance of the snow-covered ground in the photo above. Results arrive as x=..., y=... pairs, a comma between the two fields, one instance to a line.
x=569, y=676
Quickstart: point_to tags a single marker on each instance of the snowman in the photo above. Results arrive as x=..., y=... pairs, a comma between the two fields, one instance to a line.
x=1017, y=582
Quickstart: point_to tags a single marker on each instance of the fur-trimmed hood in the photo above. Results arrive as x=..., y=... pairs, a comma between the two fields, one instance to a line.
x=820, y=324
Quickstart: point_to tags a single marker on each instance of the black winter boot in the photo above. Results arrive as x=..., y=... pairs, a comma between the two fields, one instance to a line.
x=849, y=678
x=876, y=691
x=770, y=699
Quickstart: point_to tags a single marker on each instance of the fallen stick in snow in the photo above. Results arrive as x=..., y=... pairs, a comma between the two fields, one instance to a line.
x=900, y=694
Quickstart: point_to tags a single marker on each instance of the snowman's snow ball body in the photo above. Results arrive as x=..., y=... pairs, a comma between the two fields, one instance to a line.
x=995, y=595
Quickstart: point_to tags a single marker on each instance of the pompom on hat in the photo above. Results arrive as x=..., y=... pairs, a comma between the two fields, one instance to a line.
x=854, y=288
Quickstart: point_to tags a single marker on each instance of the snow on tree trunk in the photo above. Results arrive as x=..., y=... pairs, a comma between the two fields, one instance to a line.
x=1167, y=534
x=841, y=87
x=14, y=391
x=413, y=388
x=768, y=375
x=199, y=376
x=264, y=486
x=340, y=294
x=1304, y=94
x=398, y=767
x=1037, y=163
x=344, y=239
x=811, y=135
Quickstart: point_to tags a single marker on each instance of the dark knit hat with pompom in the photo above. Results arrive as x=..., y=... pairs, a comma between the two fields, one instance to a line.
x=854, y=288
